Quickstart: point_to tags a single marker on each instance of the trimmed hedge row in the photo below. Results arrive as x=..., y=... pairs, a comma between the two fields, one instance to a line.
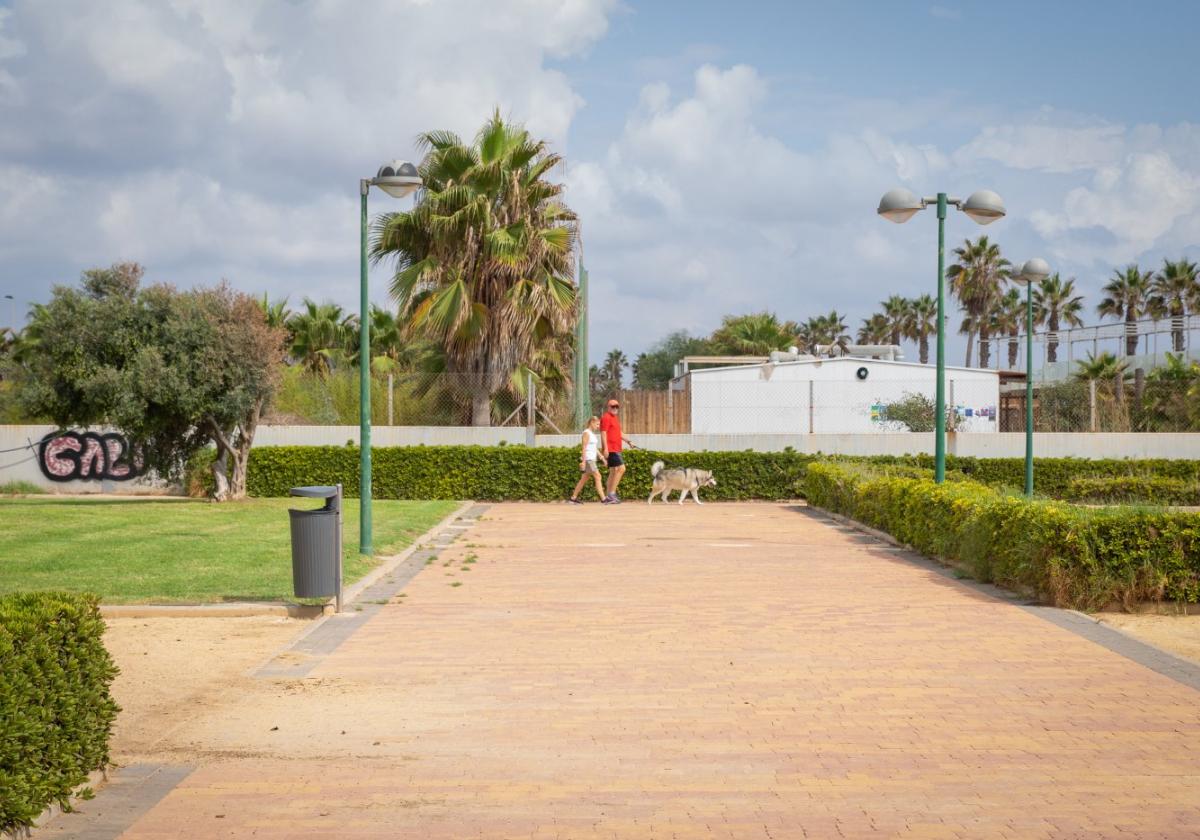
x=1070, y=556
x=511, y=473
x=55, y=706
x=1136, y=489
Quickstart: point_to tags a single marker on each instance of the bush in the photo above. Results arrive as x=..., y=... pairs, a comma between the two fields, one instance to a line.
x=55, y=705
x=510, y=473
x=1138, y=489
x=1068, y=555
x=198, y=481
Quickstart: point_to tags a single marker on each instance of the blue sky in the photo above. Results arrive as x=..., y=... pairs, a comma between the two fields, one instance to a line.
x=723, y=157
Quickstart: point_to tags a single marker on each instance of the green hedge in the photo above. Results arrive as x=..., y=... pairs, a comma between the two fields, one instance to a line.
x=511, y=473
x=1069, y=555
x=56, y=713
x=1136, y=489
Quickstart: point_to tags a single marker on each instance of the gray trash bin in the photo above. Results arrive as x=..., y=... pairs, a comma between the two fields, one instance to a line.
x=317, y=544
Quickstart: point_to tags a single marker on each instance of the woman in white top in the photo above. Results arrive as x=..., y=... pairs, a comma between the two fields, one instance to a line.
x=587, y=461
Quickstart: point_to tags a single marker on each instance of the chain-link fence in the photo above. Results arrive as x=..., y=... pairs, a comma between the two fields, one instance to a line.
x=1106, y=406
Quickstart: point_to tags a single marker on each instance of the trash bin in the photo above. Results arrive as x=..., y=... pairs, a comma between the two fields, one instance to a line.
x=317, y=544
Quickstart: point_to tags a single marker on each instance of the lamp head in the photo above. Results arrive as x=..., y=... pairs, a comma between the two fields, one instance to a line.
x=1033, y=271
x=984, y=206
x=398, y=178
x=899, y=206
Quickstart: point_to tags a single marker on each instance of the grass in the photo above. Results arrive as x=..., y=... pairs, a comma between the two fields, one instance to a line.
x=20, y=488
x=180, y=551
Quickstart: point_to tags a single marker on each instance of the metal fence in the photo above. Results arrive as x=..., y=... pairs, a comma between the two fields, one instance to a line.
x=1125, y=405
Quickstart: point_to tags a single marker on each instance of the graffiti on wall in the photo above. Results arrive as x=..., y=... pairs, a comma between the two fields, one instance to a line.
x=88, y=456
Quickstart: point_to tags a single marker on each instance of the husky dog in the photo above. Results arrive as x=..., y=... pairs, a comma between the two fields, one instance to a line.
x=685, y=481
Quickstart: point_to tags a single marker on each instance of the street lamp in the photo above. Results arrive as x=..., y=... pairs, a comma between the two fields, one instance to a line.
x=1034, y=271
x=398, y=179
x=983, y=207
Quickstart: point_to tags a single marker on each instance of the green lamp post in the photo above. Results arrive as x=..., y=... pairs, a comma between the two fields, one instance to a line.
x=398, y=179
x=900, y=205
x=1034, y=271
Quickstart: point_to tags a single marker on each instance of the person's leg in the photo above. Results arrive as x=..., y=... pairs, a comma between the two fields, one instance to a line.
x=599, y=485
x=579, y=486
x=615, y=478
x=612, y=474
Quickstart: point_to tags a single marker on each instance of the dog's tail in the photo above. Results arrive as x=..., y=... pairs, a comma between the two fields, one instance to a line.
x=656, y=469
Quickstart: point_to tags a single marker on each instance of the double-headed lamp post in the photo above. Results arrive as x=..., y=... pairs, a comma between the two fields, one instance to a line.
x=1034, y=271
x=398, y=179
x=900, y=205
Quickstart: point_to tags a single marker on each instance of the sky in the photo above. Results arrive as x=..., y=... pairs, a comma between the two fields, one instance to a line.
x=723, y=158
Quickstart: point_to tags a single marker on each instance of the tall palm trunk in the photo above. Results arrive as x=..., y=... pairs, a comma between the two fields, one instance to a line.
x=1052, y=340
x=970, y=346
x=1177, y=328
x=1131, y=336
x=923, y=349
x=1014, y=348
x=481, y=406
x=985, y=347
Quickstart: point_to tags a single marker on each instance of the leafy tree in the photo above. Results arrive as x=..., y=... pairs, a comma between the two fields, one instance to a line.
x=920, y=323
x=975, y=279
x=1172, y=398
x=875, y=330
x=1176, y=292
x=756, y=334
x=654, y=369
x=1054, y=304
x=173, y=371
x=916, y=412
x=484, y=265
x=1129, y=296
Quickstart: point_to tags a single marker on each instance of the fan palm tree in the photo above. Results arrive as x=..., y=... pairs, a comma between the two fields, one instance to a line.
x=1055, y=304
x=875, y=330
x=1103, y=367
x=320, y=335
x=1176, y=293
x=614, y=367
x=895, y=310
x=975, y=279
x=753, y=335
x=1007, y=318
x=484, y=265
x=1129, y=296
x=827, y=330
x=920, y=323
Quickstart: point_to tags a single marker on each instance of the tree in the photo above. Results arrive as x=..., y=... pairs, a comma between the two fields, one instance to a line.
x=1176, y=293
x=915, y=411
x=828, y=331
x=1172, y=398
x=920, y=323
x=172, y=371
x=654, y=369
x=753, y=335
x=614, y=368
x=1054, y=304
x=1007, y=318
x=975, y=279
x=1128, y=295
x=321, y=335
x=895, y=312
x=875, y=330
x=484, y=261
x=1099, y=368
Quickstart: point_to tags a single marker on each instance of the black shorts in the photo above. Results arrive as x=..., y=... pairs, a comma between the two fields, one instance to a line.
x=615, y=459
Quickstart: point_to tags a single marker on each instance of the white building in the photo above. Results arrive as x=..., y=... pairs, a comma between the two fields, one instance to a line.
x=844, y=394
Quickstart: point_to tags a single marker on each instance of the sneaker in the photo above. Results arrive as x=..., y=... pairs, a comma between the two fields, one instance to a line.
x=607, y=500
x=574, y=502
x=614, y=499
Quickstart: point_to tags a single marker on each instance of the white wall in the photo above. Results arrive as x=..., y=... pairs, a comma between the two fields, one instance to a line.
x=389, y=435
x=775, y=399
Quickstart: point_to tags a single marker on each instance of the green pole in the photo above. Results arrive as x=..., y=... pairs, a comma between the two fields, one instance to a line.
x=939, y=444
x=583, y=401
x=364, y=389
x=1029, y=389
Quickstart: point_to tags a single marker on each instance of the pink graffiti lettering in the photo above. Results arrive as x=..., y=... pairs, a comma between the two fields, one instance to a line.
x=88, y=456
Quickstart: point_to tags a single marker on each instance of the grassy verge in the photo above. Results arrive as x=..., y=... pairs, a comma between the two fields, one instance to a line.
x=179, y=551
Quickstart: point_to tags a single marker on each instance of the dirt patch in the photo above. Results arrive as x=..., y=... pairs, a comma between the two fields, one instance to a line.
x=175, y=669
x=1180, y=634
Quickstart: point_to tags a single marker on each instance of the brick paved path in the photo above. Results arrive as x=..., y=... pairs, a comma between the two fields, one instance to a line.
x=726, y=671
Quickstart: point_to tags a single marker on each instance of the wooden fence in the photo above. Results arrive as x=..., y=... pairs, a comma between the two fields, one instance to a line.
x=656, y=412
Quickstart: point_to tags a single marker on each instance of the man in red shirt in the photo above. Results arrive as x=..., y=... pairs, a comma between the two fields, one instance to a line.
x=610, y=442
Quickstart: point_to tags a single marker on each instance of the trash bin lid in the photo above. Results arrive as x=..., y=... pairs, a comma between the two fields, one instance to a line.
x=317, y=491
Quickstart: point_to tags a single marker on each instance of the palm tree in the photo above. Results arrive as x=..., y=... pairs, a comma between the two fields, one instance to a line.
x=975, y=279
x=1007, y=318
x=484, y=261
x=1054, y=304
x=1177, y=292
x=1100, y=368
x=828, y=330
x=875, y=330
x=753, y=335
x=920, y=323
x=1128, y=296
x=614, y=366
x=895, y=311
x=320, y=334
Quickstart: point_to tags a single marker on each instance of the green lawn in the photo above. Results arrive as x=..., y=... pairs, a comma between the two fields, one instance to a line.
x=179, y=551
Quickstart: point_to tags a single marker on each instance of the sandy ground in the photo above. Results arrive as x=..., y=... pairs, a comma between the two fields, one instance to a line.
x=1180, y=634
x=176, y=669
